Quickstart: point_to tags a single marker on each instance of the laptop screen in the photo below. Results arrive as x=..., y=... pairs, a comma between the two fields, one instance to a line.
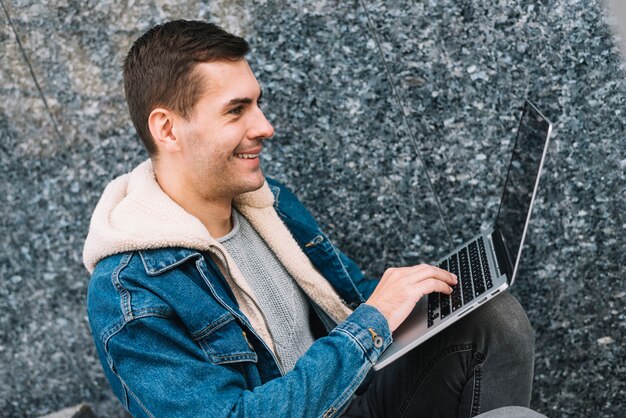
x=521, y=180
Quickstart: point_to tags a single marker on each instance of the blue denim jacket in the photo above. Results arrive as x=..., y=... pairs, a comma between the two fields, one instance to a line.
x=173, y=342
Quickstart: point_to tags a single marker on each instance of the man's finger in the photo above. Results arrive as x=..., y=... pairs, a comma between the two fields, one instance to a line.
x=433, y=273
x=427, y=286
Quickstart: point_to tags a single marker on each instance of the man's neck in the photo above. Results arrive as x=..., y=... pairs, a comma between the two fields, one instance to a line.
x=215, y=214
x=216, y=217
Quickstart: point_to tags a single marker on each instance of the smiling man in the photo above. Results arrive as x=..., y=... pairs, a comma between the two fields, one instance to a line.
x=212, y=155
x=214, y=292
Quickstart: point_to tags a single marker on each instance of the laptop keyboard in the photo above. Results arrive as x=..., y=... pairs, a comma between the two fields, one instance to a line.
x=471, y=268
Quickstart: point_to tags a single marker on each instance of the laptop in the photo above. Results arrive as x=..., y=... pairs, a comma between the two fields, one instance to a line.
x=487, y=264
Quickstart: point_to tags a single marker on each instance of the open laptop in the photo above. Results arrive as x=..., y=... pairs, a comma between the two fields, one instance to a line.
x=487, y=264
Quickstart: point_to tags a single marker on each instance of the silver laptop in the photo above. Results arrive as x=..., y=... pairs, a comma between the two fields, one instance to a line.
x=487, y=264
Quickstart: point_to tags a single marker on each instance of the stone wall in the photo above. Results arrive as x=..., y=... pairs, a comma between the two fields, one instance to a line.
x=394, y=124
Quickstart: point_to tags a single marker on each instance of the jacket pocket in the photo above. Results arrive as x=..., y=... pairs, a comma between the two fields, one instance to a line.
x=224, y=341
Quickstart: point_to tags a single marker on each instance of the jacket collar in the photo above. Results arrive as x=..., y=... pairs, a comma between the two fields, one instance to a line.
x=160, y=260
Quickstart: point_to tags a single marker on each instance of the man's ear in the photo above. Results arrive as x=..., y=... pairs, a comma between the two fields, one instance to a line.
x=161, y=123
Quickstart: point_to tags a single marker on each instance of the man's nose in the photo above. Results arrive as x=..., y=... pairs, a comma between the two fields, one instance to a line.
x=262, y=128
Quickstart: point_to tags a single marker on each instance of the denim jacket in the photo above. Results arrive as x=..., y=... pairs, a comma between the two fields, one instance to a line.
x=173, y=340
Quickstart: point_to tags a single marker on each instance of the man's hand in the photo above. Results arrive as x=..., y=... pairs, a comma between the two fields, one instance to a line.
x=400, y=288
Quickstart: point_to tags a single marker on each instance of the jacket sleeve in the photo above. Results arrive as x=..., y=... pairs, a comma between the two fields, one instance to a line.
x=365, y=285
x=164, y=373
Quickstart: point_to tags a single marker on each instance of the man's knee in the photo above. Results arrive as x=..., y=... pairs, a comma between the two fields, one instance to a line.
x=506, y=326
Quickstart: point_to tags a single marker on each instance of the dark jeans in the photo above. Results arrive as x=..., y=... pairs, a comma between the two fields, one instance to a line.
x=483, y=362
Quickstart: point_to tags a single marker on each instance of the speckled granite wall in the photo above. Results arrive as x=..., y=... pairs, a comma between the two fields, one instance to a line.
x=389, y=189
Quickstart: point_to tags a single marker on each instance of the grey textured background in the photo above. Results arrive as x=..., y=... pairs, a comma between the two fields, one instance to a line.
x=400, y=155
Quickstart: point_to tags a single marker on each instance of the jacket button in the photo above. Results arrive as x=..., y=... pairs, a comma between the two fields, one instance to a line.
x=315, y=241
x=378, y=342
x=377, y=339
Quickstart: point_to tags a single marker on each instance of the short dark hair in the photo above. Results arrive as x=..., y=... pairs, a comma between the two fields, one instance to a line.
x=160, y=69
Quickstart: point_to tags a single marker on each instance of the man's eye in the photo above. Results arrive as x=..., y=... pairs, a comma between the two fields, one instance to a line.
x=236, y=111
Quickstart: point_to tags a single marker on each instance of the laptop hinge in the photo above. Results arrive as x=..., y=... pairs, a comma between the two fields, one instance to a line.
x=502, y=254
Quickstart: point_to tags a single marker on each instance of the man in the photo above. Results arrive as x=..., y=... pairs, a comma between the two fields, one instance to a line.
x=215, y=293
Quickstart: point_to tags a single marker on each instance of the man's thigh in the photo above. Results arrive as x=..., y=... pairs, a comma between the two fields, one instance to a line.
x=446, y=375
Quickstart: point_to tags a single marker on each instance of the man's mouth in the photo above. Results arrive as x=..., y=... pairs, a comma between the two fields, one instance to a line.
x=249, y=154
x=246, y=156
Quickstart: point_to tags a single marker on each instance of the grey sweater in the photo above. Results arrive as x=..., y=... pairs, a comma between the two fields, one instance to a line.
x=282, y=302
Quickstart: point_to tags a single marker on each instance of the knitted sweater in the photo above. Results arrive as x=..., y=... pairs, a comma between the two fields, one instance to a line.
x=281, y=300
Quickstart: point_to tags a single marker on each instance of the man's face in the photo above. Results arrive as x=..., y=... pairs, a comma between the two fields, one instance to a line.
x=222, y=140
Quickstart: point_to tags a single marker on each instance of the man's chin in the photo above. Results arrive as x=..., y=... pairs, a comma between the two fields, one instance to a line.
x=254, y=185
x=258, y=186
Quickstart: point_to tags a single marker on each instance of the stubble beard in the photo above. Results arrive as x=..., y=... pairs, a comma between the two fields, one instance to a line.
x=221, y=183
